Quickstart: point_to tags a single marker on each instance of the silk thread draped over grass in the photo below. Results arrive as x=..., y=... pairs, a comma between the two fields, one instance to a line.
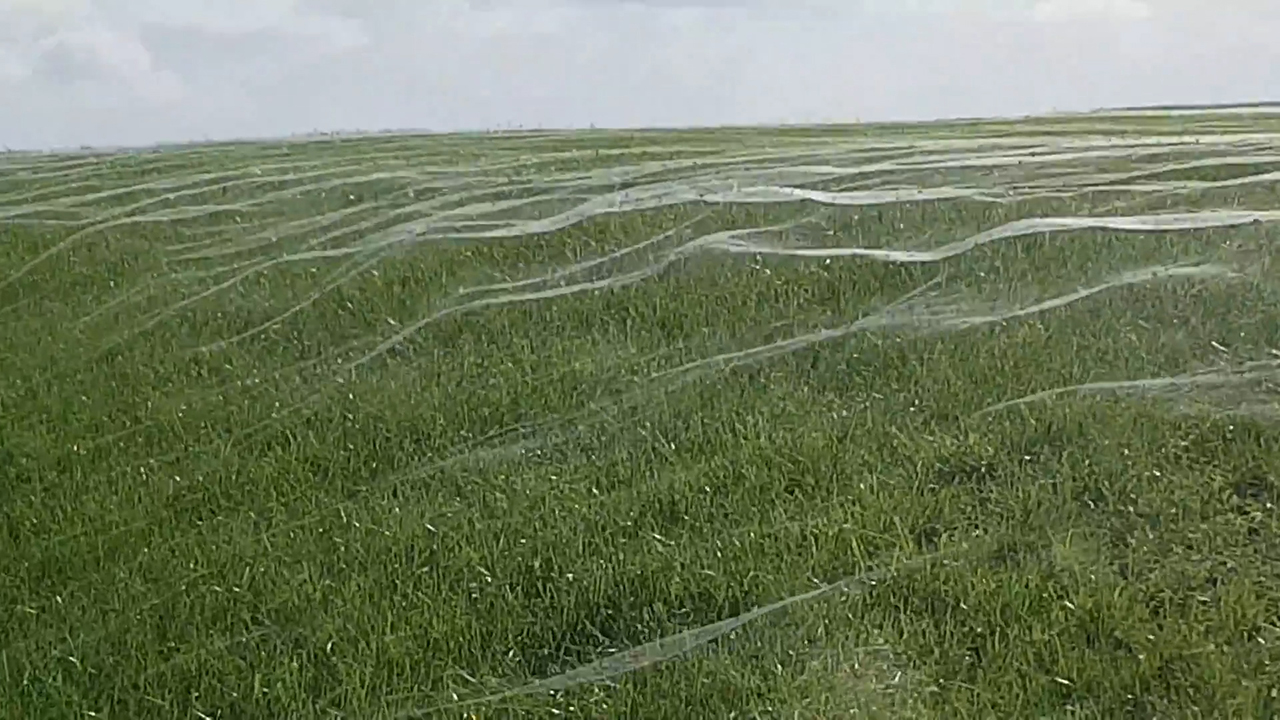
x=949, y=420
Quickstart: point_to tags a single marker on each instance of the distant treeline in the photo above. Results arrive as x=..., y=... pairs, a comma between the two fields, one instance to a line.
x=1209, y=106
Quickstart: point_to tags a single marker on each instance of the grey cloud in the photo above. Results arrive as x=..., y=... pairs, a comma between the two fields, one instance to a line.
x=137, y=72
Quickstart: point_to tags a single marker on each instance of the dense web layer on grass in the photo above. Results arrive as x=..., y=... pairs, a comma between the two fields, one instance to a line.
x=396, y=339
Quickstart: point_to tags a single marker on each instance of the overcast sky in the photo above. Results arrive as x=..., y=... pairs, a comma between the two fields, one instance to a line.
x=108, y=72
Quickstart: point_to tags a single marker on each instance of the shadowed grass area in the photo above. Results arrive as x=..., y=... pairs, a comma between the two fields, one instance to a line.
x=627, y=425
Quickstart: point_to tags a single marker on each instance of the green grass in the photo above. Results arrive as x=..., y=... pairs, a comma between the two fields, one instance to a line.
x=243, y=478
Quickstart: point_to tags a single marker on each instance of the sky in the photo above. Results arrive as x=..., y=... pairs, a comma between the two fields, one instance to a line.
x=136, y=72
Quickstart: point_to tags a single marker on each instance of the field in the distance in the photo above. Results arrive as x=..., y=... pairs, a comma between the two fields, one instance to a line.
x=972, y=420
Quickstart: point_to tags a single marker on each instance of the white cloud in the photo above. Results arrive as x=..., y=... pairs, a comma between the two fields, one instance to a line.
x=240, y=17
x=1054, y=10
x=172, y=69
x=80, y=57
x=117, y=56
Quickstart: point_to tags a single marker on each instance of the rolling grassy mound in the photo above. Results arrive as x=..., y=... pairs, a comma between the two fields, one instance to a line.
x=953, y=420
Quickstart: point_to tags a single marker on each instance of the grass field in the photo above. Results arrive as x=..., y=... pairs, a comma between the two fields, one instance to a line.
x=968, y=420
